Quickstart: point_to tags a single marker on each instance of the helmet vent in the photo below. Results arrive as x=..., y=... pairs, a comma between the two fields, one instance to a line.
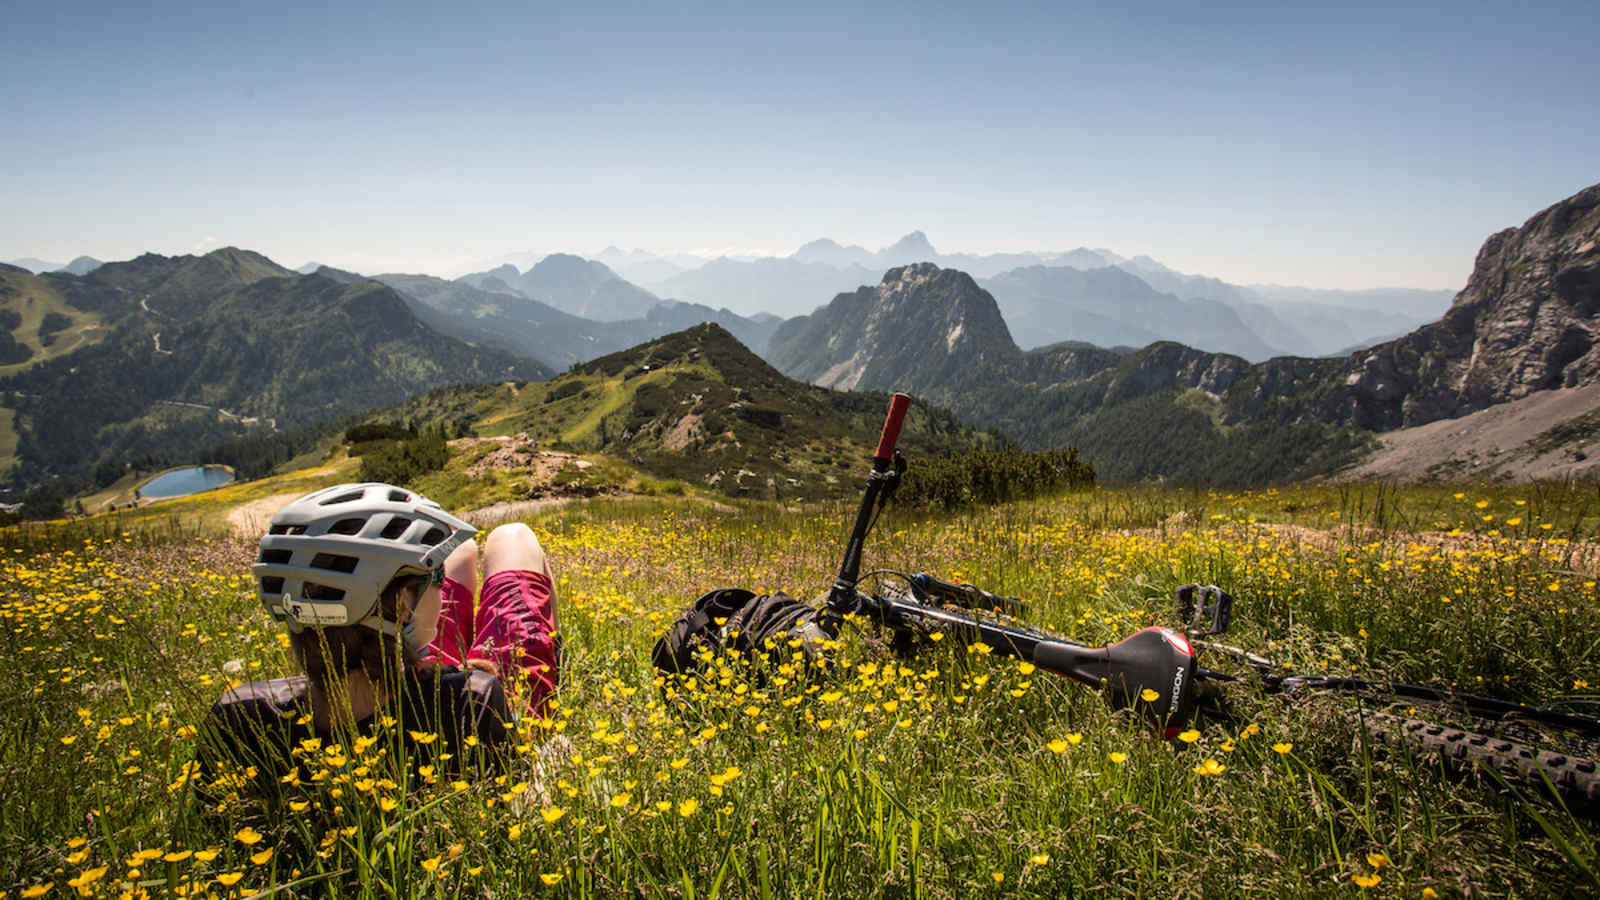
x=323, y=594
x=434, y=536
x=334, y=562
x=396, y=527
x=347, y=526
x=271, y=585
x=399, y=497
x=275, y=556
x=287, y=529
x=342, y=498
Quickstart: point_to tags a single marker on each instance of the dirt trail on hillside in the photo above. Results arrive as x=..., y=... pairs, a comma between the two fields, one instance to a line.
x=250, y=520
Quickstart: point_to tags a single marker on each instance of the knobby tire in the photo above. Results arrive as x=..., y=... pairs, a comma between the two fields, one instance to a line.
x=1576, y=779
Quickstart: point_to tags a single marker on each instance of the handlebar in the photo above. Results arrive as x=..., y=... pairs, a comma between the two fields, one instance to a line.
x=967, y=595
x=891, y=428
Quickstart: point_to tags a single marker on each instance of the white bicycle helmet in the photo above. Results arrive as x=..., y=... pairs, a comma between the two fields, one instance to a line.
x=327, y=557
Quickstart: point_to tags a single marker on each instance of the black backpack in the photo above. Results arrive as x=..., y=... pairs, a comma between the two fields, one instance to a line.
x=741, y=620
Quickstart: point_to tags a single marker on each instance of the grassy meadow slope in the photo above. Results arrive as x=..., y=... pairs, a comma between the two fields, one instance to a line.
x=35, y=299
x=699, y=407
x=956, y=774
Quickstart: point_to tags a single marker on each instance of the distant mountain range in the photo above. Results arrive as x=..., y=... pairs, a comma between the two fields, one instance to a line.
x=192, y=351
x=83, y=265
x=1257, y=321
x=1254, y=321
x=572, y=284
x=1110, y=307
x=513, y=322
x=1528, y=321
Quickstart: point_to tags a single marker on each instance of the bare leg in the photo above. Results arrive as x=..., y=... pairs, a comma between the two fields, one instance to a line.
x=514, y=546
x=461, y=567
x=517, y=613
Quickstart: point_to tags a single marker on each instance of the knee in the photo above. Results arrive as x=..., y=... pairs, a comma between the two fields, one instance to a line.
x=513, y=546
x=512, y=536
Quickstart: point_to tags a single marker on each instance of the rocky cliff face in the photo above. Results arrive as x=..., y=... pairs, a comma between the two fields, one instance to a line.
x=917, y=330
x=1526, y=322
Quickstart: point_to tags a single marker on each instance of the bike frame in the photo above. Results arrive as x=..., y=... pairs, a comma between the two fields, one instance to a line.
x=1155, y=670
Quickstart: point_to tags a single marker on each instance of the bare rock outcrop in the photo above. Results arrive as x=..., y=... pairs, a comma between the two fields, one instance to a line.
x=1525, y=322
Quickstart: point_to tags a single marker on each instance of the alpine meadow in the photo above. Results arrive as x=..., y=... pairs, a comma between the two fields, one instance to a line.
x=835, y=450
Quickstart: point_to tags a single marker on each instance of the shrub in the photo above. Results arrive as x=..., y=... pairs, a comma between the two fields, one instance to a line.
x=989, y=476
x=404, y=461
x=377, y=431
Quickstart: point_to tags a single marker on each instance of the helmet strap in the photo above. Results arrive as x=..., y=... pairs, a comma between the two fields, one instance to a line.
x=407, y=633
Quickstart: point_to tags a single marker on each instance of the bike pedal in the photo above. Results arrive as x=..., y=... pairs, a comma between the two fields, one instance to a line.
x=1204, y=609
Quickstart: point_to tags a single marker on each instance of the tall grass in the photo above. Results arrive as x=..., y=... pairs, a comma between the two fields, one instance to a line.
x=953, y=774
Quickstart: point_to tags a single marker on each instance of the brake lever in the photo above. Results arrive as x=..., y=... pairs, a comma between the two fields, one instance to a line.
x=1204, y=609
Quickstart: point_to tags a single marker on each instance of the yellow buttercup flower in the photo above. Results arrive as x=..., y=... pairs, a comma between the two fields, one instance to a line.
x=1057, y=746
x=247, y=835
x=1284, y=747
x=551, y=814
x=551, y=878
x=1190, y=736
x=230, y=879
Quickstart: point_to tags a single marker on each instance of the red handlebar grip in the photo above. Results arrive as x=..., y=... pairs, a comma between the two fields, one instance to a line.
x=891, y=426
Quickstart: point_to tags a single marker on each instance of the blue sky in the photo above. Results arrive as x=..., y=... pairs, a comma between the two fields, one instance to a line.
x=1331, y=145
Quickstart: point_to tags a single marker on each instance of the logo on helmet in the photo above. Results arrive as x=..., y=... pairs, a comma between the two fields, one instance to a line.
x=304, y=612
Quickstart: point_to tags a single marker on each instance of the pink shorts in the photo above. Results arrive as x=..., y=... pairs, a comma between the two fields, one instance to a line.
x=512, y=627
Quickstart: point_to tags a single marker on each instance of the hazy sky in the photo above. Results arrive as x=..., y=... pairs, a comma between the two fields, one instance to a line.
x=1329, y=144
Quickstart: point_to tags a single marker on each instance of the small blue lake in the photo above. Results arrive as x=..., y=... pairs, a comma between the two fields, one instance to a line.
x=186, y=481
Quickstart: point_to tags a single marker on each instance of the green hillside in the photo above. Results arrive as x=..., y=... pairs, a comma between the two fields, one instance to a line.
x=700, y=407
x=37, y=323
x=200, y=351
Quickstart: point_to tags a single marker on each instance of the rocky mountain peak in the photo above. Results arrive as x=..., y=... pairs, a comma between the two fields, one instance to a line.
x=919, y=323
x=913, y=247
x=906, y=278
x=568, y=265
x=1527, y=321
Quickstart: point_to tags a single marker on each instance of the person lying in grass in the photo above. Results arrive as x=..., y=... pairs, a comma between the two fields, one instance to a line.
x=376, y=585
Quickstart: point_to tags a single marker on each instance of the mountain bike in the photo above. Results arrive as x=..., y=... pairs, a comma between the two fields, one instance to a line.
x=1156, y=671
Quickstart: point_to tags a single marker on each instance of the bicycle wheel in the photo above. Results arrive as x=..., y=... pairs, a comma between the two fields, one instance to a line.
x=1575, y=778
